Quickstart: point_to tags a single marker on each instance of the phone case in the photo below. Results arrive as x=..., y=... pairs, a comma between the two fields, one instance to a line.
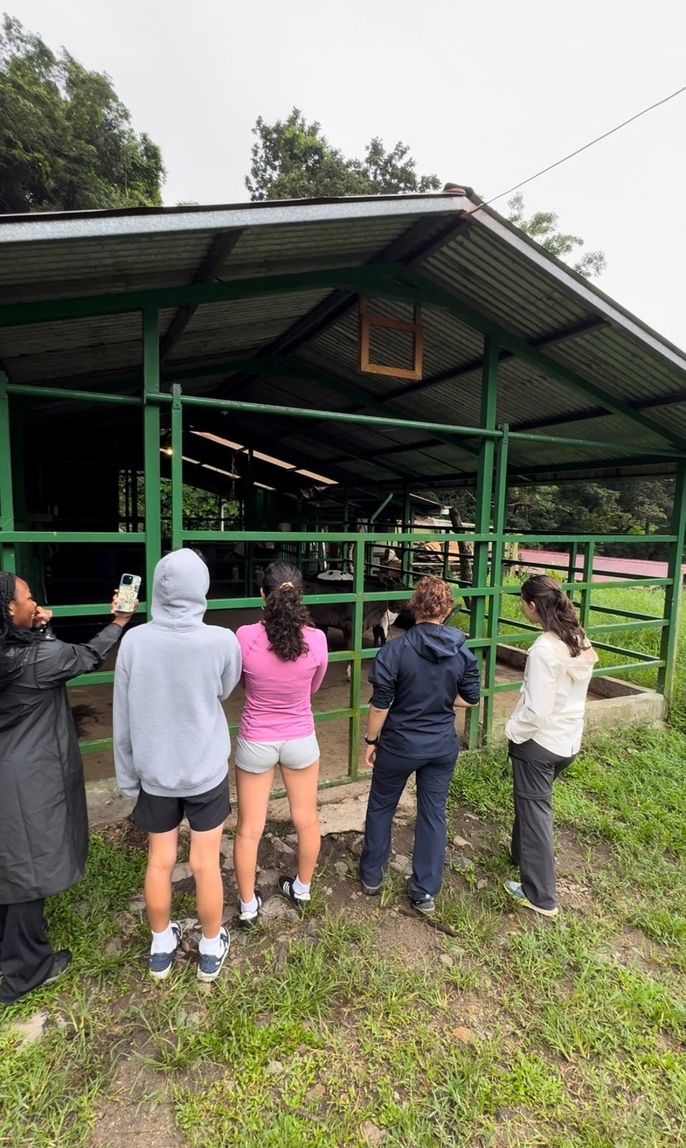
x=127, y=595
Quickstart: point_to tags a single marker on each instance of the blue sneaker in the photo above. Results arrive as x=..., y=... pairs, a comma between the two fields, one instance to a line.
x=517, y=893
x=159, y=964
x=209, y=967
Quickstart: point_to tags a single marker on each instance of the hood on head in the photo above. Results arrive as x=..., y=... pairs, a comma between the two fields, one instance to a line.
x=435, y=642
x=179, y=589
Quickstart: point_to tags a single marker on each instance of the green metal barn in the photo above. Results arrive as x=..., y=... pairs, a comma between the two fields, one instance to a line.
x=316, y=365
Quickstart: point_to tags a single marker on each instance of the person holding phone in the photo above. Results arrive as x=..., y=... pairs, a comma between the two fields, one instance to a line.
x=171, y=750
x=43, y=814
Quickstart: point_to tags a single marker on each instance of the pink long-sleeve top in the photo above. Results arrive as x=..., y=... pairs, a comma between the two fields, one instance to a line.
x=278, y=694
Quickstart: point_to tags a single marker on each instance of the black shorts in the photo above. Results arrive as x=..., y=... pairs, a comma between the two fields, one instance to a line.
x=204, y=811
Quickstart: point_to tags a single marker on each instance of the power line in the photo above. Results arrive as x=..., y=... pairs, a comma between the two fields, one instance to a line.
x=578, y=150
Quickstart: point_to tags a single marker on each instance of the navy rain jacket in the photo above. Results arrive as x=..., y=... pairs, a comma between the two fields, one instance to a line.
x=418, y=677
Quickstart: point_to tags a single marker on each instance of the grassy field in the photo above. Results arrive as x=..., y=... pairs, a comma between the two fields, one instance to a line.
x=649, y=601
x=363, y=1025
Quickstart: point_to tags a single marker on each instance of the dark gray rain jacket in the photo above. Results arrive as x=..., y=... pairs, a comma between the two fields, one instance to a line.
x=43, y=817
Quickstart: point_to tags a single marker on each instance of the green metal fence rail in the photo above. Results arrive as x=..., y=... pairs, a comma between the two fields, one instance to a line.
x=481, y=602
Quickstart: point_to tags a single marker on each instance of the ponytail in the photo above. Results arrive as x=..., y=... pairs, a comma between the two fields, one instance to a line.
x=285, y=616
x=556, y=611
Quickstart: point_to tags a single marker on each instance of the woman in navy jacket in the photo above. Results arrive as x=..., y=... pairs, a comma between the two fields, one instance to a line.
x=418, y=679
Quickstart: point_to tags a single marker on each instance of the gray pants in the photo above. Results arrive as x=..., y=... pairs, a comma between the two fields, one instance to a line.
x=534, y=769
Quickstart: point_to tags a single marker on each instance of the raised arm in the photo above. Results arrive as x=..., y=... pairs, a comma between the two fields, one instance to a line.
x=58, y=662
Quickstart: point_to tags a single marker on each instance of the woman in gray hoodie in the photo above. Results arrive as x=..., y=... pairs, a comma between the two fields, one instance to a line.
x=171, y=750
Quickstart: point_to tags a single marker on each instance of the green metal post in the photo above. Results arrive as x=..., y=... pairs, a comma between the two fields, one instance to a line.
x=176, y=468
x=497, y=556
x=356, y=664
x=673, y=592
x=571, y=572
x=589, y=558
x=482, y=518
x=7, y=551
x=151, y=428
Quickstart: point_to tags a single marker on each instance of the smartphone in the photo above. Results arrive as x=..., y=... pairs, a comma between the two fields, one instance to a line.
x=127, y=593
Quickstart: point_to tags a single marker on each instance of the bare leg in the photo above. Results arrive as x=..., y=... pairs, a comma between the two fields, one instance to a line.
x=209, y=890
x=162, y=853
x=301, y=787
x=253, y=791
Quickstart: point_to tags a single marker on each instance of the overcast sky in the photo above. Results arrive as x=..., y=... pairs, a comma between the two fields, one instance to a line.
x=483, y=94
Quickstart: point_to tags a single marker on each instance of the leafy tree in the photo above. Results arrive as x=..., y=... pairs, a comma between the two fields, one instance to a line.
x=66, y=141
x=292, y=159
x=543, y=227
x=198, y=504
x=649, y=503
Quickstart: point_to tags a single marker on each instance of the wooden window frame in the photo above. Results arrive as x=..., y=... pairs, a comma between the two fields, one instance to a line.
x=368, y=321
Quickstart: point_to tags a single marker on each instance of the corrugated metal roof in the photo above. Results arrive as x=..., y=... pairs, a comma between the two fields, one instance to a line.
x=462, y=247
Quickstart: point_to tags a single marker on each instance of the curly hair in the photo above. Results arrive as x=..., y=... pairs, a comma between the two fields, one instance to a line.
x=432, y=598
x=10, y=634
x=285, y=616
x=556, y=611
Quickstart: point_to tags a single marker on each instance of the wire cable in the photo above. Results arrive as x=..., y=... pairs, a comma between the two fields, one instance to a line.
x=579, y=150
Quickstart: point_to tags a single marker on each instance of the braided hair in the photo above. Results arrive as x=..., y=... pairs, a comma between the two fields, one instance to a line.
x=284, y=612
x=556, y=611
x=11, y=635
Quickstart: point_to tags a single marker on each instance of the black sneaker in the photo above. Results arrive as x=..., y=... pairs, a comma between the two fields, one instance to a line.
x=424, y=903
x=301, y=901
x=60, y=963
x=249, y=920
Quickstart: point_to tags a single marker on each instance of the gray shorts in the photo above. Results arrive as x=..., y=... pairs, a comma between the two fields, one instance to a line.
x=261, y=756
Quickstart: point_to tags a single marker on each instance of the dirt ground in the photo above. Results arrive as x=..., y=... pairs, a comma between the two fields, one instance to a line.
x=139, y=1108
x=92, y=706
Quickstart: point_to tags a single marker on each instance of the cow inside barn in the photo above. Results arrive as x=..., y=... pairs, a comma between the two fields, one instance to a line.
x=376, y=616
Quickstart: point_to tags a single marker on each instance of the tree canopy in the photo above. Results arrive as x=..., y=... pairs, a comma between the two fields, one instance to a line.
x=629, y=506
x=66, y=141
x=543, y=226
x=292, y=159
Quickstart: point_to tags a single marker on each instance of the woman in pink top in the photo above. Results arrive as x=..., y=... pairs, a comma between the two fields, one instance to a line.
x=284, y=662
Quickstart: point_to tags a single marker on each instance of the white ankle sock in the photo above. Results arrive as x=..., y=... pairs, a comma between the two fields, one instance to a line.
x=300, y=888
x=250, y=906
x=212, y=946
x=164, y=942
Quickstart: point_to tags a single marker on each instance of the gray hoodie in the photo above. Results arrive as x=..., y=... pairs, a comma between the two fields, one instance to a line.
x=170, y=732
